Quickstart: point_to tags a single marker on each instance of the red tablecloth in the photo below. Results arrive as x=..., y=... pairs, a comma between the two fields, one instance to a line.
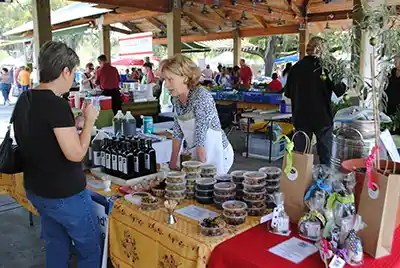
x=250, y=250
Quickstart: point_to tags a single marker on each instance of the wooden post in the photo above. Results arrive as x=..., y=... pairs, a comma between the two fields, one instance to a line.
x=237, y=47
x=41, y=27
x=303, y=40
x=174, y=28
x=104, y=37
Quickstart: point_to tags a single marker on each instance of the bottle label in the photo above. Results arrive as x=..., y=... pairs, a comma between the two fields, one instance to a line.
x=136, y=164
x=108, y=161
x=124, y=165
x=90, y=156
x=97, y=158
x=103, y=159
x=120, y=164
x=147, y=161
x=114, y=161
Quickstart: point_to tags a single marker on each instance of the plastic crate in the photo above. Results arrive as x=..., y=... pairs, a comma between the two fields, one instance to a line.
x=255, y=97
x=259, y=147
x=275, y=98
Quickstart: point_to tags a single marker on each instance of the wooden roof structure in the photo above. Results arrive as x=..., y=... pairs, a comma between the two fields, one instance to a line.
x=204, y=20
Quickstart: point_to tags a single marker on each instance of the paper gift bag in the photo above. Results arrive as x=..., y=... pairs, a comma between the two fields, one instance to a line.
x=296, y=178
x=378, y=209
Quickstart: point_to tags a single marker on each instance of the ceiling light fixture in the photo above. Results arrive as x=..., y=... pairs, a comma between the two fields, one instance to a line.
x=219, y=29
x=327, y=27
x=204, y=10
x=215, y=5
x=234, y=3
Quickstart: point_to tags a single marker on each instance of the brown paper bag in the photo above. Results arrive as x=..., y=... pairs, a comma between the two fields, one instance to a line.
x=295, y=190
x=379, y=210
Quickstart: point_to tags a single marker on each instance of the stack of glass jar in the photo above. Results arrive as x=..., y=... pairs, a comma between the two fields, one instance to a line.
x=238, y=178
x=254, y=192
x=273, y=178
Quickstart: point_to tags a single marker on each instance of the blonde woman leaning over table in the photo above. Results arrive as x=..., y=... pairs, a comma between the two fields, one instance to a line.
x=197, y=119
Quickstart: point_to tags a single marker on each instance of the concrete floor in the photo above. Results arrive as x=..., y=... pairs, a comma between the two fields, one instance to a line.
x=21, y=246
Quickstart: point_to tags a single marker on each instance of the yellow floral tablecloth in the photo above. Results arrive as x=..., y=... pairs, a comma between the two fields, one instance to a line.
x=141, y=239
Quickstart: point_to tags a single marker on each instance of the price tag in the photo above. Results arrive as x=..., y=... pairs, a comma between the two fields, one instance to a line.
x=266, y=218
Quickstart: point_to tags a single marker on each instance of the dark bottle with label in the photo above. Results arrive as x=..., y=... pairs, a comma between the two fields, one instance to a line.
x=121, y=159
x=114, y=158
x=136, y=166
x=150, y=158
x=96, y=148
x=128, y=165
x=107, y=153
x=103, y=154
x=141, y=156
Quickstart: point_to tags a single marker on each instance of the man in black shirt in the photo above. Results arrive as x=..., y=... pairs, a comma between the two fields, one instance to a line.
x=310, y=90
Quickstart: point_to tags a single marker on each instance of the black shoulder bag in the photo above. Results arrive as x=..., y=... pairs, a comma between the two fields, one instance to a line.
x=10, y=157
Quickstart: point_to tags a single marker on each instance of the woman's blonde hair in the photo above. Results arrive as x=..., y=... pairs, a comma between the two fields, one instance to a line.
x=182, y=66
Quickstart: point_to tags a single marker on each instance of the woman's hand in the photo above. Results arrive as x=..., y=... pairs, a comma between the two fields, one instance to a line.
x=201, y=154
x=90, y=113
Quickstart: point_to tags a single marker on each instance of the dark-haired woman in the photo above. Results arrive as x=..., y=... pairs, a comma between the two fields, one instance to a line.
x=51, y=152
x=285, y=73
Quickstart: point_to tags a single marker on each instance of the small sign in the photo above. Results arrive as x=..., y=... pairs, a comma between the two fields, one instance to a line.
x=266, y=218
x=293, y=174
x=294, y=250
x=337, y=262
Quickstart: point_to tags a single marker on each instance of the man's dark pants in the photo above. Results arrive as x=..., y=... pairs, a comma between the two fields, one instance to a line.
x=115, y=99
x=324, y=142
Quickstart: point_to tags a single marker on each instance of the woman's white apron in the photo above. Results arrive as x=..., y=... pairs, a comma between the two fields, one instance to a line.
x=215, y=152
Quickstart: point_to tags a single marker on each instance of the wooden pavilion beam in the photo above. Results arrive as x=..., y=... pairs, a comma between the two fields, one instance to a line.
x=193, y=22
x=156, y=23
x=273, y=12
x=328, y=16
x=249, y=32
x=152, y=5
x=111, y=18
x=132, y=26
x=119, y=30
x=260, y=20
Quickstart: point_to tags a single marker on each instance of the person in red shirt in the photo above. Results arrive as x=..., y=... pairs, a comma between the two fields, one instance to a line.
x=245, y=73
x=275, y=84
x=107, y=77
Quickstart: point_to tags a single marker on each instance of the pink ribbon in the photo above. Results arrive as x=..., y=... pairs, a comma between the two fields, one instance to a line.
x=369, y=164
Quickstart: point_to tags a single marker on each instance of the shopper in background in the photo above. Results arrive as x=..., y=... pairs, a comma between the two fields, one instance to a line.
x=24, y=78
x=52, y=151
x=234, y=78
x=208, y=75
x=197, y=119
x=134, y=75
x=275, y=85
x=148, y=76
x=107, y=77
x=285, y=73
x=88, y=77
x=5, y=84
x=245, y=74
x=310, y=93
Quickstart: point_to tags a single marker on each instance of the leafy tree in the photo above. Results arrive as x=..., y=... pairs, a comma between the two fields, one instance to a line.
x=271, y=47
